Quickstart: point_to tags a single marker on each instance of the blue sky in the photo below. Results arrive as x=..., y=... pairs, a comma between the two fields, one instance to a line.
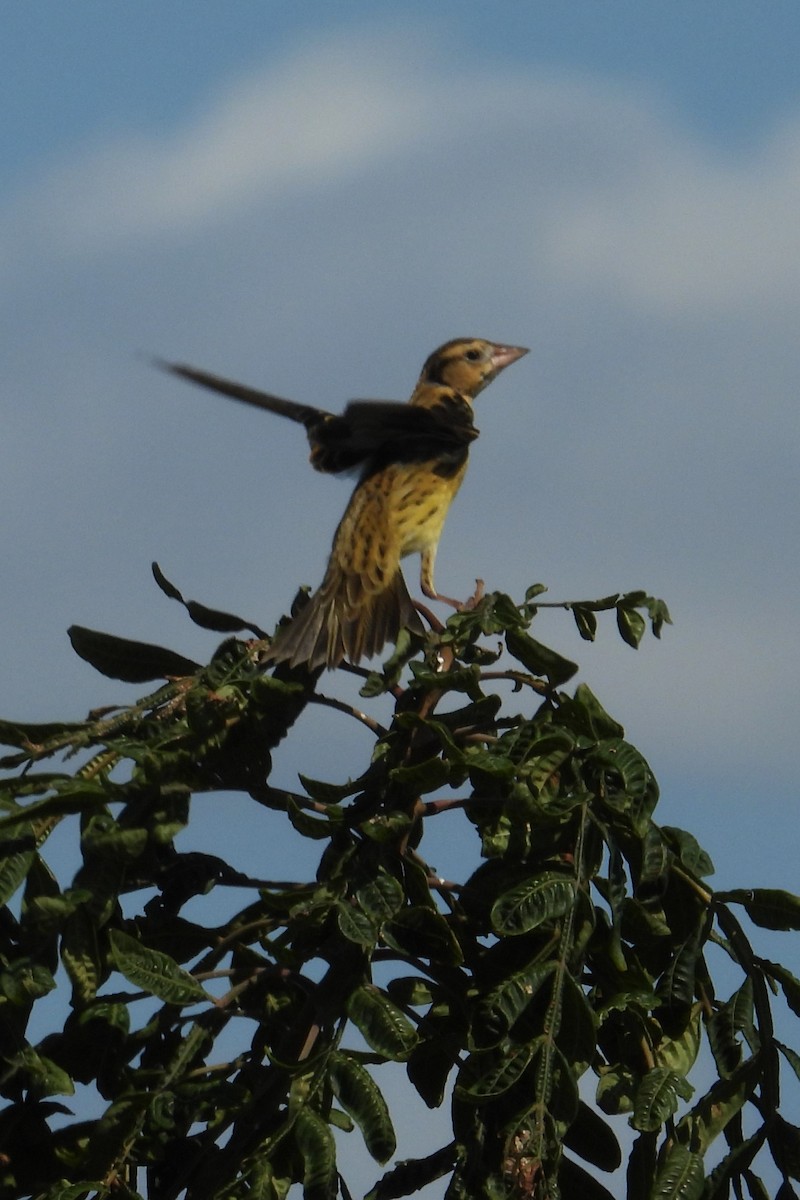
x=311, y=197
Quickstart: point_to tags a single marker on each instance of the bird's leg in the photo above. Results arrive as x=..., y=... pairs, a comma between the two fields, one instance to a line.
x=427, y=560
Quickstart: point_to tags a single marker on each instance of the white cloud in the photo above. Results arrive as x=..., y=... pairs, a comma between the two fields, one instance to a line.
x=679, y=229
x=319, y=116
x=617, y=196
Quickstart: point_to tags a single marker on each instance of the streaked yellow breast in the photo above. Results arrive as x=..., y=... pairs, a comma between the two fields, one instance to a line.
x=420, y=501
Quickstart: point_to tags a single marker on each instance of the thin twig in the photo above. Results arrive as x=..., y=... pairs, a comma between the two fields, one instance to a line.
x=351, y=711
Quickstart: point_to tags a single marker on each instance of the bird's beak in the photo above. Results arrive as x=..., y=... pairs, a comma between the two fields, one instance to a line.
x=503, y=356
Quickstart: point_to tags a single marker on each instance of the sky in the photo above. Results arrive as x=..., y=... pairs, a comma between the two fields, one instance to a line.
x=310, y=198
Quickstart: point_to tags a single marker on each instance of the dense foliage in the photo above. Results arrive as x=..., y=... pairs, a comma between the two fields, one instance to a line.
x=217, y=1058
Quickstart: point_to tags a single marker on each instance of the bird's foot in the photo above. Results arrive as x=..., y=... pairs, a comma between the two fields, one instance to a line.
x=458, y=605
x=475, y=598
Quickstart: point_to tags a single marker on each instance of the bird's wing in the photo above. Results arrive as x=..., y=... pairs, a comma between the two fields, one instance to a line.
x=368, y=434
x=374, y=433
x=304, y=414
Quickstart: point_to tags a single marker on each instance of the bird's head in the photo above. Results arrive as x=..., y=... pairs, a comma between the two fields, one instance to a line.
x=468, y=364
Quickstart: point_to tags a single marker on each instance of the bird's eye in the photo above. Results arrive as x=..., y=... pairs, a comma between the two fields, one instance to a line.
x=473, y=355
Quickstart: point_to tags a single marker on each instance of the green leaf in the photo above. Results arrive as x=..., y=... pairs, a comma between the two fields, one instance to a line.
x=717, y=1108
x=360, y=1096
x=627, y=763
x=314, y=827
x=771, y=908
x=80, y=955
x=576, y=1035
x=32, y=735
x=340, y=1120
x=545, y=756
x=316, y=1145
x=25, y=981
x=576, y=1184
x=355, y=925
x=102, y=836
x=15, y=864
x=413, y=1174
x=676, y=987
x=206, y=618
x=441, y=1042
x=657, y=1098
x=790, y=984
x=132, y=662
x=487, y=767
x=506, y=1002
x=487, y=1074
x=585, y=715
x=616, y=1090
x=386, y=827
x=680, y=1053
x=329, y=793
x=494, y=613
x=689, y=851
x=735, y=1165
x=422, y=777
x=655, y=864
x=536, y=589
x=641, y=1169
x=153, y=971
x=423, y=932
x=76, y=797
x=74, y=1191
x=381, y=896
x=42, y=1076
x=791, y=1056
x=586, y=622
x=681, y=1176
x=593, y=1139
x=457, y=679
x=554, y=1084
x=411, y=990
x=724, y=1027
x=382, y=1024
x=539, y=659
x=659, y=615
x=785, y=1145
x=631, y=624
x=543, y=897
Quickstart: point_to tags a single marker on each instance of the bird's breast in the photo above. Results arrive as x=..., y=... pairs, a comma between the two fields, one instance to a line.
x=420, y=500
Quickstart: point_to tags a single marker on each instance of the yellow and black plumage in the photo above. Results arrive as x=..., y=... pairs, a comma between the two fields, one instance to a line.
x=412, y=458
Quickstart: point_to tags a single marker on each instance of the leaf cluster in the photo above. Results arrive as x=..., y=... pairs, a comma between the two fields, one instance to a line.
x=224, y=1056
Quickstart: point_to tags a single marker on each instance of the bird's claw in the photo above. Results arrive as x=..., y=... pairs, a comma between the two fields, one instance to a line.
x=475, y=599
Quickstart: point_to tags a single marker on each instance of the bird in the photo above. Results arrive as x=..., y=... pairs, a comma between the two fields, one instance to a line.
x=411, y=458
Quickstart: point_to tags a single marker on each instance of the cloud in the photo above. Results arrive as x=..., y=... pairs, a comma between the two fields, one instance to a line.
x=622, y=199
x=680, y=230
x=619, y=197
x=317, y=117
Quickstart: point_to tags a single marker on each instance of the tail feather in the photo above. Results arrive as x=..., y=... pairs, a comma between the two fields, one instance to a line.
x=304, y=414
x=323, y=634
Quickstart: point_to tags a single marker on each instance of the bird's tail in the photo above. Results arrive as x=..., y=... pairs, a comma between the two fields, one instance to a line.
x=328, y=629
x=304, y=414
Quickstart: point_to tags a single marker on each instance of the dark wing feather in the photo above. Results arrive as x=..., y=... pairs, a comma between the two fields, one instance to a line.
x=374, y=433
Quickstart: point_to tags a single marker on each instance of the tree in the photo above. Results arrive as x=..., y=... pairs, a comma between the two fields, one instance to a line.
x=223, y=1055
